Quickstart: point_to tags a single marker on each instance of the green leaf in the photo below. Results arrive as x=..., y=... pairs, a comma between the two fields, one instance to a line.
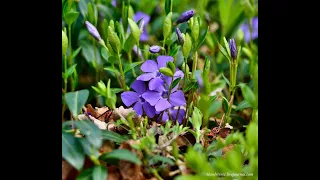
x=249, y=96
x=227, y=80
x=104, y=54
x=130, y=42
x=190, y=85
x=214, y=107
x=202, y=38
x=252, y=135
x=196, y=118
x=134, y=29
x=226, y=44
x=186, y=48
x=88, y=148
x=173, y=51
x=167, y=26
x=99, y=173
x=76, y=52
x=114, y=40
x=168, y=6
x=112, y=59
x=125, y=14
x=121, y=154
x=166, y=71
x=70, y=70
x=175, y=82
x=75, y=101
x=112, y=136
x=225, y=105
x=116, y=90
x=91, y=132
x=114, y=70
x=195, y=30
x=86, y=174
x=224, y=52
x=64, y=43
x=72, y=151
x=243, y=105
x=155, y=159
x=132, y=65
x=70, y=17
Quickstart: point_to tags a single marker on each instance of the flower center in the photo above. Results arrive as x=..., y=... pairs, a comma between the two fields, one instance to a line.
x=157, y=74
x=165, y=94
x=141, y=99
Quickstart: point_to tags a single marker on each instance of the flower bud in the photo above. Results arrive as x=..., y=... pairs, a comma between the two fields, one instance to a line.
x=93, y=31
x=185, y=16
x=233, y=49
x=155, y=49
x=180, y=38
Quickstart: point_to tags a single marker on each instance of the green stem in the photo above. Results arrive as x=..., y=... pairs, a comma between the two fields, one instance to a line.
x=163, y=45
x=65, y=85
x=130, y=61
x=177, y=114
x=122, y=74
x=70, y=54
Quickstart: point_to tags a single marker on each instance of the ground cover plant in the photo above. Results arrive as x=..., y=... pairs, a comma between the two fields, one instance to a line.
x=159, y=89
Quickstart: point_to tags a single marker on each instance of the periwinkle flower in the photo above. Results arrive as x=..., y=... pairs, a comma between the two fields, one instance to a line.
x=185, y=16
x=152, y=73
x=146, y=18
x=140, y=104
x=154, y=49
x=163, y=99
x=173, y=113
x=114, y=3
x=180, y=37
x=93, y=31
x=233, y=49
x=246, y=30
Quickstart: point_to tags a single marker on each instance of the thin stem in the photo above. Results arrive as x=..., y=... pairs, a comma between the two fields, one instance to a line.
x=163, y=45
x=122, y=74
x=70, y=54
x=177, y=114
x=65, y=85
x=130, y=61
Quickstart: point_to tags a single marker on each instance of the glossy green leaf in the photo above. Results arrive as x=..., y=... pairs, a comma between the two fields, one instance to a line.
x=157, y=158
x=225, y=105
x=91, y=132
x=72, y=151
x=86, y=174
x=167, y=26
x=223, y=51
x=130, y=42
x=202, y=38
x=114, y=40
x=76, y=52
x=186, y=48
x=64, y=43
x=70, y=17
x=132, y=65
x=227, y=80
x=242, y=105
x=70, y=70
x=99, y=173
x=104, y=54
x=249, y=96
x=214, y=107
x=121, y=154
x=168, y=6
x=88, y=148
x=113, y=136
x=134, y=29
x=114, y=70
x=175, y=82
x=75, y=101
x=166, y=71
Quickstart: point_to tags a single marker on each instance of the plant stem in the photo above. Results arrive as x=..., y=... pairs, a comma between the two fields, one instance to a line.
x=70, y=54
x=122, y=74
x=177, y=114
x=130, y=61
x=65, y=85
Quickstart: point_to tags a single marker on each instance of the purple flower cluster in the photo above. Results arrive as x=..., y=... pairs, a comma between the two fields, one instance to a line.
x=153, y=93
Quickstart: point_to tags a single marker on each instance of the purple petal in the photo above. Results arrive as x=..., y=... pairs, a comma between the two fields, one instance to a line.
x=180, y=116
x=138, y=108
x=151, y=97
x=155, y=83
x=177, y=98
x=162, y=60
x=149, y=66
x=144, y=36
x=162, y=104
x=129, y=97
x=178, y=74
x=160, y=88
x=150, y=110
x=165, y=117
x=138, y=15
x=145, y=77
x=139, y=86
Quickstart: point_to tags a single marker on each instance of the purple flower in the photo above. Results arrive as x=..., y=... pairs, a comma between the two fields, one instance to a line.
x=185, y=16
x=180, y=37
x=114, y=3
x=173, y=113
x=233, y=49
x=152, y=74
x=93, y=31
x=146, y=18
x=161, y=99
x=246, y=30
x=130, y=97
x=154, y=49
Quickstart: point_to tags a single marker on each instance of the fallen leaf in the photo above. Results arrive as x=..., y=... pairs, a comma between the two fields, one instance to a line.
x=113, y=173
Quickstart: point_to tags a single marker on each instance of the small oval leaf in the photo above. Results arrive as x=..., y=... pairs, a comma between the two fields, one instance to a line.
x=121, y=154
